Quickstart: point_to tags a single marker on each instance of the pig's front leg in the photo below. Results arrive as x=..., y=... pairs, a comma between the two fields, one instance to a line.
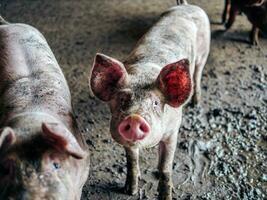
x=254, y=35
x=233, y=12
x=166, y=156
x=133, y=170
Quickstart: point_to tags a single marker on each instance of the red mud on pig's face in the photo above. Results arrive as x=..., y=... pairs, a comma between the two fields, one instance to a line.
x=38, y=168
x=138, y=107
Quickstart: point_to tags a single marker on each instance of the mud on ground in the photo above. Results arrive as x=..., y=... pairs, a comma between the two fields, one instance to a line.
x=222, y=146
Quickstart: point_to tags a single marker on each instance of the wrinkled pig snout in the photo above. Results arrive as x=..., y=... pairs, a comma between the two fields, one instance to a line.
x=134, y=128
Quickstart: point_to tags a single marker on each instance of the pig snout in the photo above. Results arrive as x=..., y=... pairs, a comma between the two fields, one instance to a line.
x=134, y=128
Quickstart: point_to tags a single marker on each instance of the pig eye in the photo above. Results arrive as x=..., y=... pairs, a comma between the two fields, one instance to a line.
x=124, y=101
x=56, y=165
x=156, y=103
x=156, y=106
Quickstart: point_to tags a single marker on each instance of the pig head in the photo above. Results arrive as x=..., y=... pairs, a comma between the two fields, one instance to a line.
x=144, y=109
x=139, y=114
x=43, y=166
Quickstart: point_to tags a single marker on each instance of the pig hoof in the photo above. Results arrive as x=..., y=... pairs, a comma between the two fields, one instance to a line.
x=130, y=190
x=194, y=102
x=227, y=26
x=156, y=174
x=165, y=193
x=165, y=187
x=168, y=197
x=255, y=42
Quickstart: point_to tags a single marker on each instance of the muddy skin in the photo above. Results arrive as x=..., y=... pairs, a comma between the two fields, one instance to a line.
x=42, y=153
x=227, y=132
x=133, y=171
x=148, y=90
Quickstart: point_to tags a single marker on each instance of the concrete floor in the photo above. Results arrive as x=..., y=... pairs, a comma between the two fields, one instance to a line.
x=226, y=136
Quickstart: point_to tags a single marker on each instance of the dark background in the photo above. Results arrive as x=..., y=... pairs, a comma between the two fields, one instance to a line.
x=225, y=136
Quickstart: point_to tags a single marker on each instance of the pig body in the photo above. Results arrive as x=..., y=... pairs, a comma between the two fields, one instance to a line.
x=256, y=12
x=147, y=91
x=174, y=37
x=43, y=154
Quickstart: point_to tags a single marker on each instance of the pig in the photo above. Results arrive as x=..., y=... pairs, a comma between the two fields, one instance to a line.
x=43, y=155
x=256, y=12
x=147, y=92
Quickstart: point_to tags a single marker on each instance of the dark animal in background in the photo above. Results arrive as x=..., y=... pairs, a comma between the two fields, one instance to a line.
x=256, y=12
x=146, y=93
x=42, y=153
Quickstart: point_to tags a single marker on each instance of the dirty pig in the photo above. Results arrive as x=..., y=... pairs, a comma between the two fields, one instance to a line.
x=146, y=93
x=43, y=155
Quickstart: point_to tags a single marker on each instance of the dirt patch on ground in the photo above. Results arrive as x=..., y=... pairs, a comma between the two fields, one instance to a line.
x=222, y=146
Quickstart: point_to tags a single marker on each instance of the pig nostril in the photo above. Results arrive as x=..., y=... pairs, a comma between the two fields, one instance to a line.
x=127, y=128
x=144, y=128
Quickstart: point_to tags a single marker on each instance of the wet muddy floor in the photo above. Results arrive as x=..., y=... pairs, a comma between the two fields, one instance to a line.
x=222, y=145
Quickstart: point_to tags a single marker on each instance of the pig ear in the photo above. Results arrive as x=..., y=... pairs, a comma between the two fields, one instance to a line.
x=257, y=2
x=106, y=77
x=175, y=83
x=62, y=140
x=7, y=137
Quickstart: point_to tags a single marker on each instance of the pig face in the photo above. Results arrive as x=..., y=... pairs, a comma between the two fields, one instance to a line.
x=137, y=102
x=39, y=168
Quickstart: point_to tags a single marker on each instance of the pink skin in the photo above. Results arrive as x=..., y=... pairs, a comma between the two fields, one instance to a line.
x=134, y=128
x=43, y=154
x=146, y=93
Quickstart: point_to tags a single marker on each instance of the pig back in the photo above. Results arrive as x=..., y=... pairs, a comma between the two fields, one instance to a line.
x=172, y=38
x=31, y=79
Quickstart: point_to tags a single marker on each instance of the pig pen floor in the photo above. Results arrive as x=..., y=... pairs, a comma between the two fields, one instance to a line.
x=221, y=151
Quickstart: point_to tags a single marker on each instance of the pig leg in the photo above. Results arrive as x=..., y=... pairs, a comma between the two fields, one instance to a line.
x=233, y=13
x=133, y=170
x=254, y=35
x=226, y=11
x=197, y=80
x=166, y=156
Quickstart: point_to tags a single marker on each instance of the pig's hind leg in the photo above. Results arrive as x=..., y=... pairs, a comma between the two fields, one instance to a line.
x=197, y=79
x=133, y=171
x=202, y=53
x=254, y=35
x=166, y=156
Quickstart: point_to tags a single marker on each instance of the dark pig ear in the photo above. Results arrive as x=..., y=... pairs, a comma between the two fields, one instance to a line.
x=174, y=82
x=62, y=140
x=257, y=2
x=106, y=77
x=7, y=137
